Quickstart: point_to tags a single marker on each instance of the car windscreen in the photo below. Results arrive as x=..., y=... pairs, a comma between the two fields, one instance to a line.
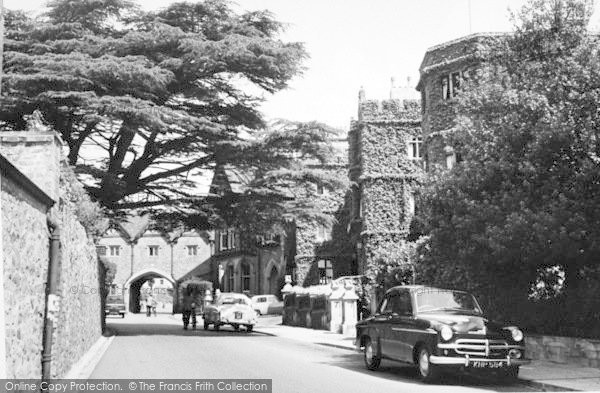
x=232, y=300
x=446, y=300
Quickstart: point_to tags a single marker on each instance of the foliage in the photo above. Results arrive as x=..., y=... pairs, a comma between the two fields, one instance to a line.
x=89, y=214
x=526, y=196
x=150, y=102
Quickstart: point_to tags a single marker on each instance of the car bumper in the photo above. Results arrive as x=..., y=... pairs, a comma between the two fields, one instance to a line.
x=471, y=361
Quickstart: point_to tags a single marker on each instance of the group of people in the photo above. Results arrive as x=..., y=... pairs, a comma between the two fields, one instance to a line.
x=189, y=309
x=150, y=306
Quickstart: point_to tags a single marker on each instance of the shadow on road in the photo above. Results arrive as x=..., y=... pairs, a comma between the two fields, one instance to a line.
x=162, y=329
x=401, y=373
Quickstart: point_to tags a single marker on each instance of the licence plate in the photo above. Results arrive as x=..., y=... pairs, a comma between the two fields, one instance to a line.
x=238, y=315
x=480, y=364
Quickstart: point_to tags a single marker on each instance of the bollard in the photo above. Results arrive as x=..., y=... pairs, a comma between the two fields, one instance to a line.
x=349, y=300
x=336, y=311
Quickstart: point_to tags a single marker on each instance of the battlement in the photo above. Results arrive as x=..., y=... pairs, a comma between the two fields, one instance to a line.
x=389, y=111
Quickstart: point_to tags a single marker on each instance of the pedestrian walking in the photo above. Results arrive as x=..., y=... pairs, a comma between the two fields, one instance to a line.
x=189, y=309
x=149, y=301
x=154, y=304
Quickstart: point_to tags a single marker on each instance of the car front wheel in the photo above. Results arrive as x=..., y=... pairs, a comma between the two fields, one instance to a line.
x=371, y=354
x=427, y=371
x=510, y=374
x=249, y=328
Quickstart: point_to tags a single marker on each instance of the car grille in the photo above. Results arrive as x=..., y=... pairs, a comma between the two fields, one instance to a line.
x=482, y=347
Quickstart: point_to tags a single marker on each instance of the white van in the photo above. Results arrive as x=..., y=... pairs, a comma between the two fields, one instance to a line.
x=266, y=304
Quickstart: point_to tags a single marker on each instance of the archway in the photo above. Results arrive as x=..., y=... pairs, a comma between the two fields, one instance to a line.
x=151, y=281
x=273, y=280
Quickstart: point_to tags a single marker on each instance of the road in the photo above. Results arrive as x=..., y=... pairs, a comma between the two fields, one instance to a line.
x=158, y=347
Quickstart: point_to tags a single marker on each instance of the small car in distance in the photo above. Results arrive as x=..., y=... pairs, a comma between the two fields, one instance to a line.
x=439, y=330
x=267, y=304
x=114, y=305
x=230, y=308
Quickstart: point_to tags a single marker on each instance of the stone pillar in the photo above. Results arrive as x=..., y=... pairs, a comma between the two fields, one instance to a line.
x=336, y=311
x=350, y=316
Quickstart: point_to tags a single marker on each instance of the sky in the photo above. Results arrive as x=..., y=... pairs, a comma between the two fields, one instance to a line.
x=354, y=43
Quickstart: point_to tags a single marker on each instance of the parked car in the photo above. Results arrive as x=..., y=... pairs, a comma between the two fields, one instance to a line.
x=267, y=304
x=438, y=330
x=233, y=309
x=114, y=305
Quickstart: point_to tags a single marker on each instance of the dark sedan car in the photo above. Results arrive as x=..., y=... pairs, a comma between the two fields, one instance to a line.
x=115, y=306
x=437, y=330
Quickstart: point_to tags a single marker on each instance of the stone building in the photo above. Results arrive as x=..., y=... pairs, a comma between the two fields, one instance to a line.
x=444, y=68
x=245, y=262
x=385, y=168
x=315, y=252
x=143, y=252
x=41, y=232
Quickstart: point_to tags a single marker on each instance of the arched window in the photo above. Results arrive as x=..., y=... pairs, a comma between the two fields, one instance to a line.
x=245, y=277
x=230, y=278
x=273, y=280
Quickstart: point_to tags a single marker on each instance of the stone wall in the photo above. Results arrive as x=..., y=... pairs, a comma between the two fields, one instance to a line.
x=79, y=322
x=25, y=259
x=580, y=351
x=37, y=159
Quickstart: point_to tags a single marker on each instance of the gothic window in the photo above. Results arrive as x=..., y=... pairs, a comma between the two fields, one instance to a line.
x=414, y=148
x=231, y=239
x=115, y=251
x=323, y=233
x=223, y=240
x=325, y=271
x=192, y=250
x=153, y=251
x=230, y=278
x=410, y=205
x=450, y=84
x=445, y=82
x=245, y=277
x=455, y=83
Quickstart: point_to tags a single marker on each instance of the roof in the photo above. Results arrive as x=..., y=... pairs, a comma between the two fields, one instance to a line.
x=465, y=48
x=135, y=226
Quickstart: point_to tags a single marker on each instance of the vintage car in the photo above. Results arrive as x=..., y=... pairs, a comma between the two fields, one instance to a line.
x=233, y=309
x=267, y=304
x=438, y=330
x=115, y=305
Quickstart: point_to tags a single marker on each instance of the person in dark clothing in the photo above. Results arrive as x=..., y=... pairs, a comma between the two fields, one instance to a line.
x=189, y=310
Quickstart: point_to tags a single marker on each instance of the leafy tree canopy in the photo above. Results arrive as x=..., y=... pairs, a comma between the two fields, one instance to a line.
x=149, y=102
x=525, y=200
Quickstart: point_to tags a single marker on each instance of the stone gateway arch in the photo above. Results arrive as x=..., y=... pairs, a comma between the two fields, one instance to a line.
x=148, y=259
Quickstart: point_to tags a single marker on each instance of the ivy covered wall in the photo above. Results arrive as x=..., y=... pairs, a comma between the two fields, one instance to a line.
x=384, y=178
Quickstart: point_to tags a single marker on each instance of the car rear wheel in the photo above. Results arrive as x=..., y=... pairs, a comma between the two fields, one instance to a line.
x=216, y=326
x=371, y=355
x=236, y=327
x=249, y=328
x=427, y=372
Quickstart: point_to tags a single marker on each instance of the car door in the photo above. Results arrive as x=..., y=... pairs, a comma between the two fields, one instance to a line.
x=381, y=322
x=402, y=327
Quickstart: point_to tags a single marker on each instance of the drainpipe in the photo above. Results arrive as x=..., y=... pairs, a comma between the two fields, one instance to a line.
x=52, y=297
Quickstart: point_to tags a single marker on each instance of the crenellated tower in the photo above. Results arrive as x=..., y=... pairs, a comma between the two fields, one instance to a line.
x=385, y=167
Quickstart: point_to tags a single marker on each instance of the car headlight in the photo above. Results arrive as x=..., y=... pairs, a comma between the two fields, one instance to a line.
x=446, y=333
x=517, y=335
